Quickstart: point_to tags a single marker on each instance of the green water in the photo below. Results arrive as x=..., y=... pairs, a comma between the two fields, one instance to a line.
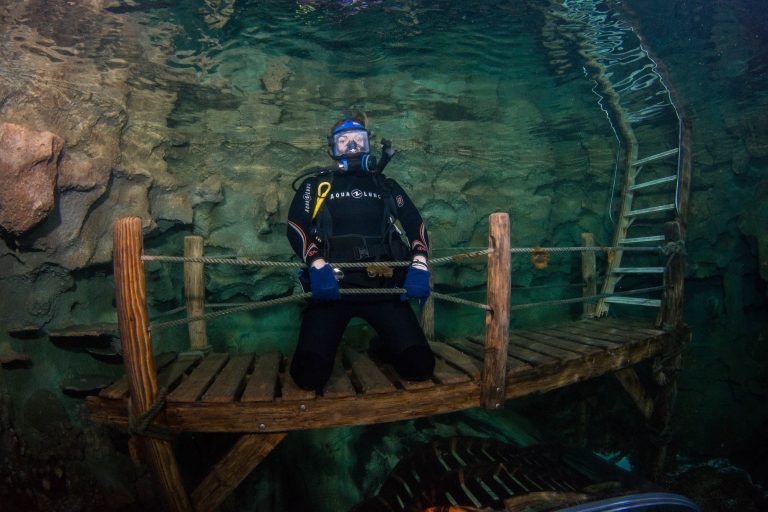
x=206, y=111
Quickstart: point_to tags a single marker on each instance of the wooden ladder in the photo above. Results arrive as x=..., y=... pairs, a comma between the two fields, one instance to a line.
x=641, y=107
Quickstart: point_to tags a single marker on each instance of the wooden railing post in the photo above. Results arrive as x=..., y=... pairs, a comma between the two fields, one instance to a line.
x=428, y=310
x=494, y=376
x=133, y=321
x=671, y=312
x=588, y=274
x=194, y=292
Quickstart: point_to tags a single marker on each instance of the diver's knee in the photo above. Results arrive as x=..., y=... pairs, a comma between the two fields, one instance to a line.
x=310, y=371
x=415, y=363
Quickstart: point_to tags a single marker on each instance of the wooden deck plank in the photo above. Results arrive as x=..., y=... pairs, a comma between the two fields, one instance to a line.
x=408, y=385
x=290, y=391
x=551, y=338
x=606, y=332
x=542, y=348
x=263, y=381
x=457, y=358
x=230, y=380
x=371, y=379
x=513, y=363
x=194, y=386
x=119, y=388
x=172, y=374
x=531, y=357
x=339, y=384
x=571, y=334
x=446, y=374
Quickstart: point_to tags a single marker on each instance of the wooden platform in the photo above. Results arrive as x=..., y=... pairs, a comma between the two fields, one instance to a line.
x=250, y=393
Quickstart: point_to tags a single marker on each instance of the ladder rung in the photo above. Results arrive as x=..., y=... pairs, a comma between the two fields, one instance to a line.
x=643, y=239
x=634, y=301
x=657, y=156
x=652, y=183
x=643, y=211
x=638, y=270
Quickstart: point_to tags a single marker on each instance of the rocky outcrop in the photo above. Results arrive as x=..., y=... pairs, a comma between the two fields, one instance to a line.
x=28, y=170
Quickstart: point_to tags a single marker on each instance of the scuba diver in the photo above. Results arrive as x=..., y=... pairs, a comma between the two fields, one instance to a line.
x=348, y=214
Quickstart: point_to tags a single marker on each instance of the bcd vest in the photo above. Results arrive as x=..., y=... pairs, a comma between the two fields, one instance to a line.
x=353, y=247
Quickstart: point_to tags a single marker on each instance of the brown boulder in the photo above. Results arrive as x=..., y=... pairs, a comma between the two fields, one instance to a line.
x=28, y=166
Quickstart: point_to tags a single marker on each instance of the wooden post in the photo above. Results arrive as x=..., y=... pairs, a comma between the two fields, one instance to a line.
x=133, y=321
x=194, y=292
x=671, y=312
x=428, y=310
x=494, y=376
x=588, y=274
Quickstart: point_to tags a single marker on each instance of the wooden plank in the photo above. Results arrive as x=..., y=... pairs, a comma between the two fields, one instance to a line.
x=530, y=357
x=119, y=389
x=339, y=384
x=543, y=348
x=564, y=344
x=365, y=371
x=171, y=374
x=566, y=332
x=230, y=380
x=290, y=391
x=263, y=381
x=226, y=475
x=476, y=346
x=200, y=378
x=469, y=347
x=457, y=358
x=408, y=385
x=604, y=332
x=447, y=374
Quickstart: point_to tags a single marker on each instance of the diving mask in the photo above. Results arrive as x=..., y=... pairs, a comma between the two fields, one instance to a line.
x=349, y=143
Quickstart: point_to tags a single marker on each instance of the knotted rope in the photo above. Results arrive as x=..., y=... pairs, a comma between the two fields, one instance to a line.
x=141, y=426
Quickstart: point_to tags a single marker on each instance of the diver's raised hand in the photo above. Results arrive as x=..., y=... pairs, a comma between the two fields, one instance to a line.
x=386, y=147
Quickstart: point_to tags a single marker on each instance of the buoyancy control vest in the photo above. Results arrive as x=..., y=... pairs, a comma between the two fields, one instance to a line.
x=385, y=245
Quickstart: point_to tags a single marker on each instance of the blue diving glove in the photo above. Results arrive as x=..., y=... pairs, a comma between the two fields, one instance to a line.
x=416, y=283
x=323, y=283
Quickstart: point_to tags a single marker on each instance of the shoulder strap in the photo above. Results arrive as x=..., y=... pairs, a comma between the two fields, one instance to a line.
x=384, y=184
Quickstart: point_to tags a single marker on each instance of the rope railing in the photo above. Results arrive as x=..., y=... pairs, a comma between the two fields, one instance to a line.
x=233, y=260
x=249, y=306
x=670, y=248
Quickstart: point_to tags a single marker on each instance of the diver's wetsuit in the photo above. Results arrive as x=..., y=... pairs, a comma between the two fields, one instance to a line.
x=355, y=208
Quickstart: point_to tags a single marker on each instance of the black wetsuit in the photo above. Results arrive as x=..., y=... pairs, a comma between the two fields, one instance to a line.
x=350, y=226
